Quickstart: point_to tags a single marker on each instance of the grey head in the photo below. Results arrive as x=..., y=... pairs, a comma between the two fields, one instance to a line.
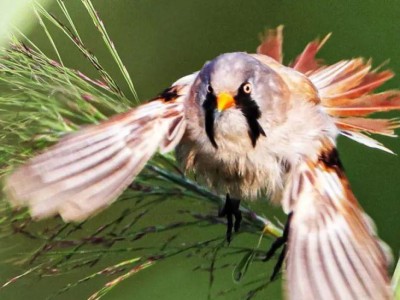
x=231, y=83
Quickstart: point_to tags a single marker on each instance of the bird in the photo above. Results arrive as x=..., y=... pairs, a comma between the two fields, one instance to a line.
x=253, y=128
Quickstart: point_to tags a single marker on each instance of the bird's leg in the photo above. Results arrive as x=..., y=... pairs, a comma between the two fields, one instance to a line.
x=230, y=210
x=279, y=242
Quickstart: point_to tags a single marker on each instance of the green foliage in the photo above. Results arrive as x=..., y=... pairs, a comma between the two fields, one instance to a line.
x=41, y=100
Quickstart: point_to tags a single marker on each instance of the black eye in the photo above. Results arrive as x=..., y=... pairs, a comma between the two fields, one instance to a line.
x=247, y=87
x=210, y=89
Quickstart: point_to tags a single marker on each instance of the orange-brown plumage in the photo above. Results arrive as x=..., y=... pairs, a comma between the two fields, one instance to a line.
x=272, y=44
x=248, y=125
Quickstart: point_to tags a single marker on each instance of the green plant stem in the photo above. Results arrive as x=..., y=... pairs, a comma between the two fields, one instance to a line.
x=264, y=223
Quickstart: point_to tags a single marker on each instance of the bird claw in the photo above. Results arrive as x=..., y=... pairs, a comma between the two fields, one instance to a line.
x=231, y=210
x=278, y=243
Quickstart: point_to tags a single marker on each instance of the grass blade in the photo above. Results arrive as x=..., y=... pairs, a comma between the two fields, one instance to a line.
x=81, y=47
x=110, y=45
x=110, y=285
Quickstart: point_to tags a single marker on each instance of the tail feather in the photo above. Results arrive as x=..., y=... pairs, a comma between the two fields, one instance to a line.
x=346, y=91
x=347, y=76
x=352, y=88
x=365, y=140
x=306, y=61
x=364, y=105
x=377, y=126
x=272, y=44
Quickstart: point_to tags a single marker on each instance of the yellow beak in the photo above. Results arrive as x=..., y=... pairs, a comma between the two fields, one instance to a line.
x=224, y=101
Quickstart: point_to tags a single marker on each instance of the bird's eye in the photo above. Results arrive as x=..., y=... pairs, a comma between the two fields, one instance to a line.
x=209, y=88
x=247, y=88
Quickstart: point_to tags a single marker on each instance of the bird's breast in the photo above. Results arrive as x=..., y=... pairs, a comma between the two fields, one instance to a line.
x=244, y=171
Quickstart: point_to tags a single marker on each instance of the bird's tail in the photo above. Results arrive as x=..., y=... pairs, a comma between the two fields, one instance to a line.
x=345, y=88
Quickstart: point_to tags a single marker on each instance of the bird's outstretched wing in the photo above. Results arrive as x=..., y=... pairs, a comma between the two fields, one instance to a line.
x=87, y=170
x=333, y=251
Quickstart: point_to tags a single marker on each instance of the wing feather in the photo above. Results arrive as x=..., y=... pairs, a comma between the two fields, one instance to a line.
x=86, y=171
x=333, y=251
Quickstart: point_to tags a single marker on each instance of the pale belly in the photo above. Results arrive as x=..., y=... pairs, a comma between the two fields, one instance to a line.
x=249, y=174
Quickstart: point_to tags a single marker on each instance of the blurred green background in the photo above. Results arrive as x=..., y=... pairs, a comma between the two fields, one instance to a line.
x=160, y=41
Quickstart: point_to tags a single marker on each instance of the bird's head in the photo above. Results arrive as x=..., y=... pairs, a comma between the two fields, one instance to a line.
x=236, y=90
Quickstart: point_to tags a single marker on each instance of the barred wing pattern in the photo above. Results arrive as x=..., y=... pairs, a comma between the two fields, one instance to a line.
x=86, y=171
x=333, y=251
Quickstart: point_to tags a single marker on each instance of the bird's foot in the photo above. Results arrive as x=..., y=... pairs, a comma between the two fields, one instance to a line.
x=278, y=243
x=231, y=209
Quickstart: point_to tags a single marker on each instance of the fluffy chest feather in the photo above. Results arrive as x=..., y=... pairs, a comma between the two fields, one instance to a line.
x=248, y=171
x=242, y=172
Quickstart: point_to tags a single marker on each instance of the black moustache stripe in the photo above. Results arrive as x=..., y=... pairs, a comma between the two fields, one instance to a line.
x=255, y=130
x=251, y=112
x=209, y=105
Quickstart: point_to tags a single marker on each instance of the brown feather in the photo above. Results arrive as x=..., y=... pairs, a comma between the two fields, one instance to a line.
x=86, y=171
x=340, y=77
x=364, y=105
x=344, y=88
x=272, y=44
x=377, y=126
x=306, y=61
x=333, y=251
x=370, y=82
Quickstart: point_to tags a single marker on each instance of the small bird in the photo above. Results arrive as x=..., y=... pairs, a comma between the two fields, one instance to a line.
x=250, y=127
